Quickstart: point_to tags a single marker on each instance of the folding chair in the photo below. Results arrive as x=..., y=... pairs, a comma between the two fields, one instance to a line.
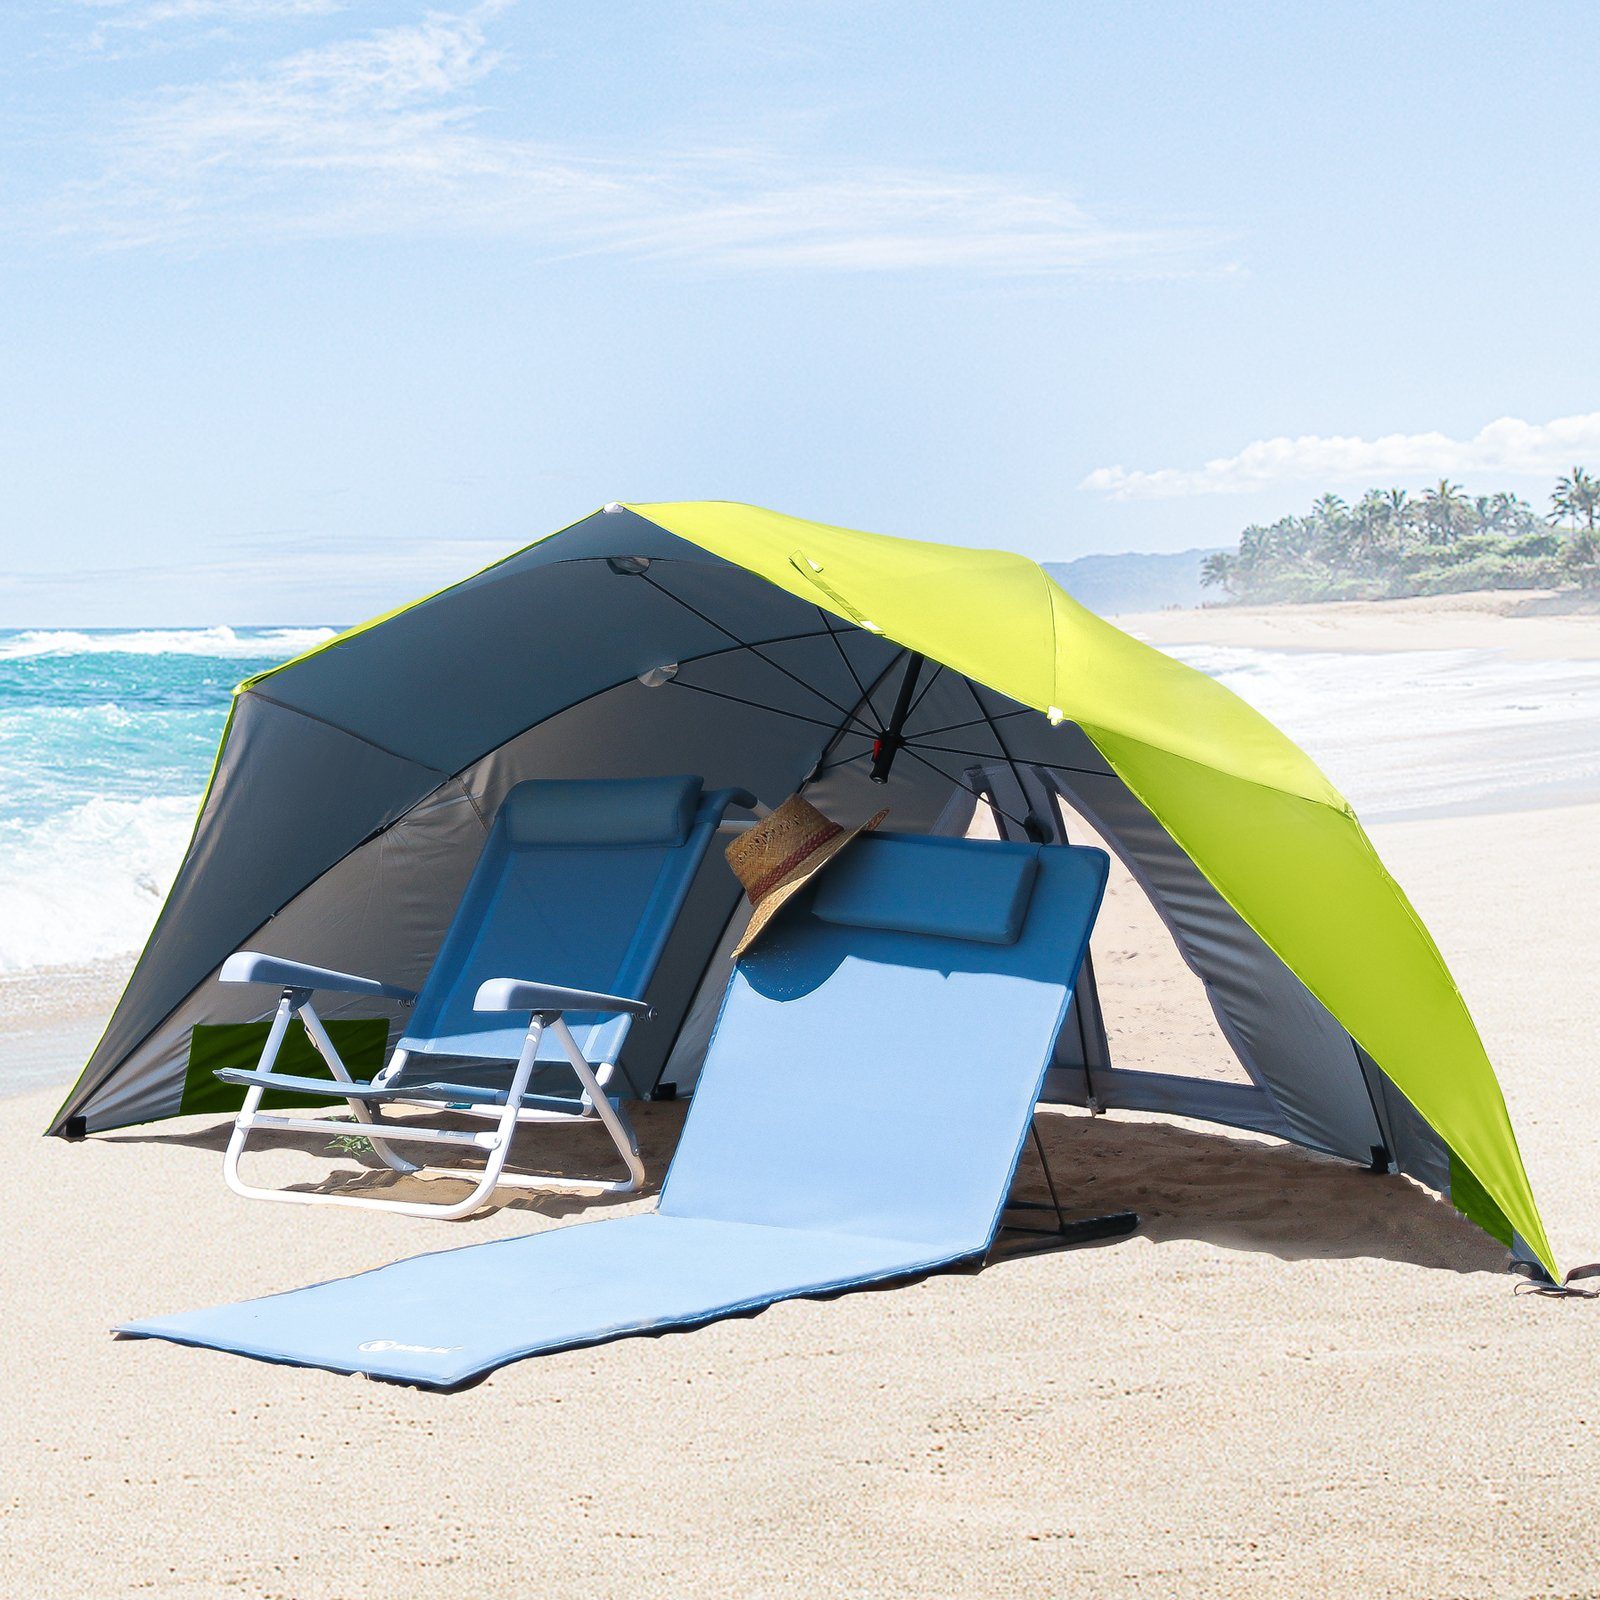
x=579, y=885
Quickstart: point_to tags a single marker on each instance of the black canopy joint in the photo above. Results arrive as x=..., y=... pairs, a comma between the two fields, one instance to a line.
x=890, y=741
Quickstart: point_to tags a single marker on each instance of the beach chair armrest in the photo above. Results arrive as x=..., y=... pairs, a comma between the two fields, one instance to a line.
x=249, y=966
x=518, y=994
x=741, y=799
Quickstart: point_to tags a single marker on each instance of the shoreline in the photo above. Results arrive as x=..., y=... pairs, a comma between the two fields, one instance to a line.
x=51, y=1018
x=1522, y=624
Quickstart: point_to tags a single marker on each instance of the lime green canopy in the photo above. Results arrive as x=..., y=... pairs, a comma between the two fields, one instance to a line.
x=348, y=800
x=1255, y=815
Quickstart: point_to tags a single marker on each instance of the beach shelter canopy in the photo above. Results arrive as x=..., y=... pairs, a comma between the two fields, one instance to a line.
x=354, y=785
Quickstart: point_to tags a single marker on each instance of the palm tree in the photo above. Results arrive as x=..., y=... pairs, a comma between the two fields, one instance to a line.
x=1375, y=529
x=1577, y=499
x=1400, y=510
x=1390, y=543
x=1216, y=571
x=1504, y=512
x=1582, y=554
x=1446, y=510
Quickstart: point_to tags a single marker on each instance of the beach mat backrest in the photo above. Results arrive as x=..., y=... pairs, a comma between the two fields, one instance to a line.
x=881, y=1049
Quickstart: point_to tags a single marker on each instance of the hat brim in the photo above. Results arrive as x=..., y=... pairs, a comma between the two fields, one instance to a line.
x=774, y=900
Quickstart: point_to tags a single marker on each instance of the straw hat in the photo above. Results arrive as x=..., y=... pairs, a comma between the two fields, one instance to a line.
x=781, y=854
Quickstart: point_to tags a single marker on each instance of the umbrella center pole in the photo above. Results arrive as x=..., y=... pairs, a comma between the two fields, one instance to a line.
x=889, y=742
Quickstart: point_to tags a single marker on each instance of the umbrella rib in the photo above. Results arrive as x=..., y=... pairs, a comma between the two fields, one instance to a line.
x=711, y=622
x=995, y=733
x=849, y=664
x=977, y=794
x=956, y=727
x=844, y=761
x=933, y=678
x=916, y=744
x=755, y=705
x=842, y=732
x=1082, y=772
x=952, y=750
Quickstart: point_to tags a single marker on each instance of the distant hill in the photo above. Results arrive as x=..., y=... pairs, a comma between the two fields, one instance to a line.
x=1133, y=582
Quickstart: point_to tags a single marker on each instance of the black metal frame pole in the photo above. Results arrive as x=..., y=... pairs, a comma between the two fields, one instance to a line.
x=893, y=736
x=1049, y=1177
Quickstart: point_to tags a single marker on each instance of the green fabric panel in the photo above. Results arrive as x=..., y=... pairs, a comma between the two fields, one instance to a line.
x=362, y=1043
x=1467, y=1195
x=1308, y=880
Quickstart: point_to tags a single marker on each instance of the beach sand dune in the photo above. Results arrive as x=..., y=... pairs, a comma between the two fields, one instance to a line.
x=1298, y=1379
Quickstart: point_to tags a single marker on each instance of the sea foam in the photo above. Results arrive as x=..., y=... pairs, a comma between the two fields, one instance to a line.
x=222, y=642
x=1420, y=732
x=87, y=883
x=106, y=741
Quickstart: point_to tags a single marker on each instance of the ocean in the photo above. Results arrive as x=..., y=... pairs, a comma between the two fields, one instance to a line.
x=106, y=742
x=107, y=738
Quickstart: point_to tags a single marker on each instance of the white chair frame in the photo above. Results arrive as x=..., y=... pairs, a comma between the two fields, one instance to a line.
x=495, y=1143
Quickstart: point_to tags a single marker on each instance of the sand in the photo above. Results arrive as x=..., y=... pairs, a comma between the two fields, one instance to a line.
x=51, y=1018
x=1297, y=1379
x=1528, y=625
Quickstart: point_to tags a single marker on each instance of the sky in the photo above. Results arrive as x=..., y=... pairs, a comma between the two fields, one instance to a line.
x=307, y=306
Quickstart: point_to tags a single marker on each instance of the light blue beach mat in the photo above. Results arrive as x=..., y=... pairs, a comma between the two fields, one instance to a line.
x=860, y=1115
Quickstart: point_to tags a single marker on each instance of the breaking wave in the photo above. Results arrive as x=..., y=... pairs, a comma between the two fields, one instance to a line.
x=1414, y=732
x=87, y=882
x=222, y=642
x=106, y=741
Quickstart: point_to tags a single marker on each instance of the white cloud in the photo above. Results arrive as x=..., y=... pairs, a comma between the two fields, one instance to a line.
x=135, y=17
x=380, y=135
x=1510, y=446
x=154, y=13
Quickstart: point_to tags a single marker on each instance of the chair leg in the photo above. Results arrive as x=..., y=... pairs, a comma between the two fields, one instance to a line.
x=382, y=1136
x=244, y=1119
x=617, y=1126
x=622, y=1135
x=496, y=1144
x=297, y=1002
x=324, y=1046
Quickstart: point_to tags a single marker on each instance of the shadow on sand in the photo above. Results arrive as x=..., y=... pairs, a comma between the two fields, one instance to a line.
x=1248, y=1194
x=576, y=1152
x=1207, y=1185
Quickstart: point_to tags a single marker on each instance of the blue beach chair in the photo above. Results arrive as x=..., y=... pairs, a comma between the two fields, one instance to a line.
x=862, y=1109
x=578, y=887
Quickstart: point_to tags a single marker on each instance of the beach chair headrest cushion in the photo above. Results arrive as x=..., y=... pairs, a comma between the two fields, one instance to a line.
x=601, y=811
x=952, y=888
